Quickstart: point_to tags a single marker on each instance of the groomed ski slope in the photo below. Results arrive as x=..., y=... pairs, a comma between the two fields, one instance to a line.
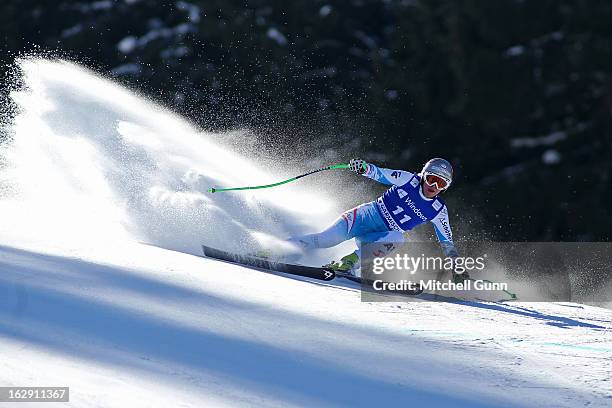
x=93, y=170
x=138, y=325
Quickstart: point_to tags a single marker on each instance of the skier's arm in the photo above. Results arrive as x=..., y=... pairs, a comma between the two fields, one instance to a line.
x=443, y=232
x=382, y=175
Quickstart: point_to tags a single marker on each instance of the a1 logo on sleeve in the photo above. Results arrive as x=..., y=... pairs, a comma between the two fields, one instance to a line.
x=436, y=205
x=349, y=217
x=414, y=182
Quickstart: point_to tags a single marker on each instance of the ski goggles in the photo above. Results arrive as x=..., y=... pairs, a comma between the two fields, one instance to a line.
x=437, y=181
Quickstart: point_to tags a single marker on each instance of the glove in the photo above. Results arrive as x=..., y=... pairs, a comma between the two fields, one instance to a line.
x=358, y=166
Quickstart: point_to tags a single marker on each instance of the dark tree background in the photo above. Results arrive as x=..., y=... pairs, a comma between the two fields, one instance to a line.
x=517, y=94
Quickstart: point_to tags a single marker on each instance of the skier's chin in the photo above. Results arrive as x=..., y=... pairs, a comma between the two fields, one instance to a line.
x=430, y=192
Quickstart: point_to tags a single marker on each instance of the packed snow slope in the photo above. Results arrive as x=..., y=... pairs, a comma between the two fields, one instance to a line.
x=91, y=171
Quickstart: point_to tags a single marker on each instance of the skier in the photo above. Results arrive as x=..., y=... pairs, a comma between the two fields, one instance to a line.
x=412, y=200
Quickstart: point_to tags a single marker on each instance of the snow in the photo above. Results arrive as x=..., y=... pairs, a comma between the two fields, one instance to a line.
x=127, y=44
x=325, y=10
x=95, y=170
x=127, y=69
x=177, y=52
x=276, y=35
x=391, y=94
x=130, y=43
x=193, y=11
x=515, y=51
x=154, y=34
x=72, y=31
x=88, y=7
x=184, y=28
x=551, y=156
x=548, y=140
x=367, y=40
x=102, y=5
x=128, y=320
x=326, y=72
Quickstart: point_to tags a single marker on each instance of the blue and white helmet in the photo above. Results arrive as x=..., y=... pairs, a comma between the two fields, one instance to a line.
x=439, y=167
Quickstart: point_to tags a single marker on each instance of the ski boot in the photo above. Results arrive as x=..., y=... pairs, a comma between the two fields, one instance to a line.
x=345, y=265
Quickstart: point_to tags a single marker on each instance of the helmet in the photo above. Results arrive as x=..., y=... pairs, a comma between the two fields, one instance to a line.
x=439, y=167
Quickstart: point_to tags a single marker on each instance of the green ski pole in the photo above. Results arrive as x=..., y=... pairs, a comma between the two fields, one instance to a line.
x=334, y=166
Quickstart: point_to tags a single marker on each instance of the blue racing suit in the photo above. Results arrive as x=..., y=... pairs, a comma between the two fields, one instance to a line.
x=401, y=208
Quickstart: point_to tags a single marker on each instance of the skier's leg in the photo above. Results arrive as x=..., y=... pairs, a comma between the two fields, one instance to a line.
x=352, y=223
x=366, y=225
x=329, y=237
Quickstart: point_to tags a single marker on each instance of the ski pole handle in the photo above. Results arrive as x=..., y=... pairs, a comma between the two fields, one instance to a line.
x=332, y=167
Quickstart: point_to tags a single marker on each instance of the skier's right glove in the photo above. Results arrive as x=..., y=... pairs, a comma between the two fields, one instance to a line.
x=358, y=166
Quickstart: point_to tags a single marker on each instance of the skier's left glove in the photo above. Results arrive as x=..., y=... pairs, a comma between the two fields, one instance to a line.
x=358, y=166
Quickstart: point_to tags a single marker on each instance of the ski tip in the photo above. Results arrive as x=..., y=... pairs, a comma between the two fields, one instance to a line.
x=211, y=190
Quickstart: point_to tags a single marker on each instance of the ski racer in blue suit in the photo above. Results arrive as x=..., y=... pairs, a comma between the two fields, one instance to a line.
x=412, y=199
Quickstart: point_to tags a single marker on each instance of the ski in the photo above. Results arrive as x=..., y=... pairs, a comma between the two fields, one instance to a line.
x=319, y=273
x=255, y=262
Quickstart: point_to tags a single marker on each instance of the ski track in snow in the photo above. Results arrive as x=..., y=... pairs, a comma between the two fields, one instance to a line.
x=93, y=169
x=198, y=331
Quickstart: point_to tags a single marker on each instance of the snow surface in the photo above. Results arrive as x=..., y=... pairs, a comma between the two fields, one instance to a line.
x=93, y=170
